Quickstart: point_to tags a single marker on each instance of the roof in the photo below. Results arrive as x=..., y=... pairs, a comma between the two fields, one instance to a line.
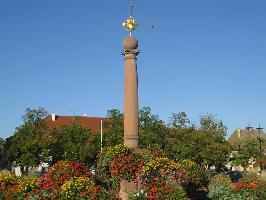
x=242, y=135
x=92, y=123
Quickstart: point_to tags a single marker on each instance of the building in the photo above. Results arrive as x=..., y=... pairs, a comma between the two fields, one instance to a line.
x=92, y=123
x=240, y=136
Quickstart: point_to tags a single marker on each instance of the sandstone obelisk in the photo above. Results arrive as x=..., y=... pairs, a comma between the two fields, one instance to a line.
x=130, y=52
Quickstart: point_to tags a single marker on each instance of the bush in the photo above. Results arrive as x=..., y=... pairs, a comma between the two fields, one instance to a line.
x=261, y=189
x=160, y=178
x=177, y=193
x=173, y=192
x=154, y=151
x=103, y=194
x=49, y=186
x=197, y=175
x=162, y=168
x=14, y=187
x=27, y=185
x=252, y=186
x=78, y=188
x=8, y=185
x=117, y=163
x=221, y=188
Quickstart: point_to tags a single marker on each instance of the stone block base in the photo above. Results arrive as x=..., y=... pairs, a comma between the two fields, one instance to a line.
x=126, y=188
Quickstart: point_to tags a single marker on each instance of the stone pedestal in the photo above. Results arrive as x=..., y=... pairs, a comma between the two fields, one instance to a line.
x=127, y=187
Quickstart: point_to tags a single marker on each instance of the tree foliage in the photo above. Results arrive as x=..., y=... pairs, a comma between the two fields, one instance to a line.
x=113, y=128
x=25, y=145
x=209, y=123
x=250, y=149
x=2, y=143
x=206, y=145
x=73, y=143
x=2, y=152
x=33, y=142
x=152, y=130
x=179, y=120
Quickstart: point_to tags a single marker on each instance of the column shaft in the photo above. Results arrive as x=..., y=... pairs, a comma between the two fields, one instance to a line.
x=131, y=134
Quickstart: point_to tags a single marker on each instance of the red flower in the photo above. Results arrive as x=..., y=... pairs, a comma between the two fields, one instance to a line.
x=46, y=187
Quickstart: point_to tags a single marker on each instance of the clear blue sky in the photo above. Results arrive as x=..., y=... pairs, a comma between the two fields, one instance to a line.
x=64, y=56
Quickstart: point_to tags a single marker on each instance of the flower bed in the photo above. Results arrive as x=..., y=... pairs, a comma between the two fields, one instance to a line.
x=65, y=180
x=78, y=188
x=160, y=178
x=220, y=187
x=115, y=164
x=50, y=185
x=197, y=175
x=156, y=177
x=13, y=187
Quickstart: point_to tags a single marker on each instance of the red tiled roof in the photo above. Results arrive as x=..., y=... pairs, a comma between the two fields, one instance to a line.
x=92, y=123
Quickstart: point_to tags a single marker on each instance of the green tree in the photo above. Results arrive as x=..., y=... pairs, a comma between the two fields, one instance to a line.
x=179, y=120
x=205, y=145
x=8, y=157
x=151, y=129
x=249, y=149
x=26, y=144
x=2, y=152
x=113, y=128
x=209, y=123
x=179, y=143
x=2, y=142
x=74, y=143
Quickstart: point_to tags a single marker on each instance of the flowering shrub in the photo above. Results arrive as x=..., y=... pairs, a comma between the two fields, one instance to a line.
x=59, y=173
x=156, y=177
x=13, y=187
x=65, y=180
x=49, y=186
x=8, y=185
x=103, y=194
x=117, y=163
x=177, y=193
x=221, y=188
x=174, y=193
x=261, y=189
x=197, y=175
x=249, y=177
x=252, y=186
x=154, y=151
x=159, y=178
x=78, y=188
x=166, y=169
x=27, y=185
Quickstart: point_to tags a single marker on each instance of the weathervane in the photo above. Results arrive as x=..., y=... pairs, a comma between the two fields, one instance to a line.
x=130, y=24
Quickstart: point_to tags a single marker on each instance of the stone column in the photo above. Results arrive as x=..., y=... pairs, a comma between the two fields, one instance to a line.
x=131, y=132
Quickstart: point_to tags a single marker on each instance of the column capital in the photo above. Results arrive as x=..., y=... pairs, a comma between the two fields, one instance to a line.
x=133, y=52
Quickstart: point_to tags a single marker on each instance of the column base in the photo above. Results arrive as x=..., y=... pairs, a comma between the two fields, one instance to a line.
x=131, y=141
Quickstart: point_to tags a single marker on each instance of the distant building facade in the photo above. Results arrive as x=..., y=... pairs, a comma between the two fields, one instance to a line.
x=92, y=123
x=240, y=136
